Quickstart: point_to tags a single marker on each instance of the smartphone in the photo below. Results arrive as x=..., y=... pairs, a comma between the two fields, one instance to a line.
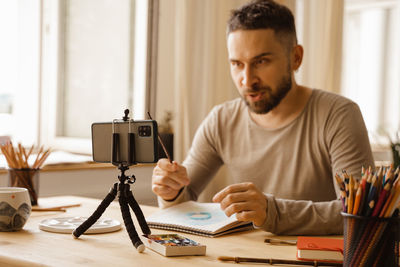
x=144, y=147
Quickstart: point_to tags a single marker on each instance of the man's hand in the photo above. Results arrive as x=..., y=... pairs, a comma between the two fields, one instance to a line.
x=244, y=199
x=168, y=178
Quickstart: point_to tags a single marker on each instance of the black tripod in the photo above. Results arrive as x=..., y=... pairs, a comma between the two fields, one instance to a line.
x=125, y=196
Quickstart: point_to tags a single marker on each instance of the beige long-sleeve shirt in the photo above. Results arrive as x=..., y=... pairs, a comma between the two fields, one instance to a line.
x=293, y=165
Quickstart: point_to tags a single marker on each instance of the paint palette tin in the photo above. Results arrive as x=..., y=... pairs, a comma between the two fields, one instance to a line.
x=173, y=245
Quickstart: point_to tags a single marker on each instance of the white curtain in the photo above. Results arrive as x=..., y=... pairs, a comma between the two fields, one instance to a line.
x=202, y=78
x=320, y=30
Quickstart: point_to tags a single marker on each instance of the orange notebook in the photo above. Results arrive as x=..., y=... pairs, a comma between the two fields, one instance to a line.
x=319, y=248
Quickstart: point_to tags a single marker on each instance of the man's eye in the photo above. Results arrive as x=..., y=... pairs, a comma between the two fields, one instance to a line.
x=235, y=64
x=261, y=61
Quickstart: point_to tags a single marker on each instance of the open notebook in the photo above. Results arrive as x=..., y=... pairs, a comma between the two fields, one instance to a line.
x=192, y=217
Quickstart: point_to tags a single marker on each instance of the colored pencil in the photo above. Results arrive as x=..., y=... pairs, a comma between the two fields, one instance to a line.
x=367, y=190
x=351, y=195
x=357, y=200
x=362, y=200
x=393, y=203
x=387, y=203
x=376, y=195
x=381, y=200
x=371, y=196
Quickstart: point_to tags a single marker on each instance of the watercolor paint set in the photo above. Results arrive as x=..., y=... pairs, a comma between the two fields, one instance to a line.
x=173, y=245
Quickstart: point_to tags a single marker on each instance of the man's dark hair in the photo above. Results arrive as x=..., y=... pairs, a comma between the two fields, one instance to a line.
x=265, y=14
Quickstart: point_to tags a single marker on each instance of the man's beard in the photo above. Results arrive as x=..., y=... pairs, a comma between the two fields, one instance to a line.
x=269, y=99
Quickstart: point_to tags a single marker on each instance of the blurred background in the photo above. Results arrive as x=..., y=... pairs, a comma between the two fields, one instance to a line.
x=65, y=64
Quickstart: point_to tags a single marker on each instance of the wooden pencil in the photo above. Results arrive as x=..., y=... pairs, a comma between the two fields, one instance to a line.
x=277, y=261
x=362, y=200
x=37, y=156
x=393, y=202
x=381, y=174
x=371, y=196
x=381, y=200
x=351, y=195
x=357, y=200
x=387, y=203
x=162, y=143
x=367, y=192
x=346, y=180
x=340, y=182
x=396, y=176
x=342, y=188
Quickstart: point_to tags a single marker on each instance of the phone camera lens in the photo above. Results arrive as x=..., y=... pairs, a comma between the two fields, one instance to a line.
x=144, y=131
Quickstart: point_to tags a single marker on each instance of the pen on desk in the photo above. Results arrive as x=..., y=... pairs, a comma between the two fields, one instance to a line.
x=49, y=209
x=56, y=208
x=274, y=241
x=277, y=261
x=161, y=142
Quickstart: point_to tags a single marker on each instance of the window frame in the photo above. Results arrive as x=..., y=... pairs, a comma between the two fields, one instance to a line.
x=385, y=75
x=52, y=52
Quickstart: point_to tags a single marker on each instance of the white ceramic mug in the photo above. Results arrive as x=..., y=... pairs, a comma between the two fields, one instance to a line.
x=15, y=208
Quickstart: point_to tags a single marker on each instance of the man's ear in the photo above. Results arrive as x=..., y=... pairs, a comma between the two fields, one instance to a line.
x=297, y=56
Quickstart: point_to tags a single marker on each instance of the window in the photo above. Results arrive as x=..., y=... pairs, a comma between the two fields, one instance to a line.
x=97, y=60
x=8, y=64
x=80, y=61
x=19, y=76
x=96, y=64
x=371, y=71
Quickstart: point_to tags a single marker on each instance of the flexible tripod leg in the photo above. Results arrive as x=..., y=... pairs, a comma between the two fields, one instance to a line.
x=138, y=212
x=130, y=227
x=97, y=213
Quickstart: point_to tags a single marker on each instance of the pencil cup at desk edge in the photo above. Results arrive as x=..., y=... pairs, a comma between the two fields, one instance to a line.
x=26, y=178
x=370, y=241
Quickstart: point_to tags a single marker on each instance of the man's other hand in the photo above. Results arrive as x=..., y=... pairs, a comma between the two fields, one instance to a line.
x=168, y=178
x=244, y=199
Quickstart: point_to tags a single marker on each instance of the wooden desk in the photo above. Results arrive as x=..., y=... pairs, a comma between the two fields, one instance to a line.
x=33, y=247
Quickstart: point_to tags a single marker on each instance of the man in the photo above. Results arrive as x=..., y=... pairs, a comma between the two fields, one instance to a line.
x=281, y=142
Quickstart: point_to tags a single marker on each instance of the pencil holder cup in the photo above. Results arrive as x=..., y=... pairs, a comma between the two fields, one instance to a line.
x=370, y=241
x=26, y=178
x=15, y=208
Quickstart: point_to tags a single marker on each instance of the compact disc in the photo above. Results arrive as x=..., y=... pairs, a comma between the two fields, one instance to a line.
x=69, y=224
